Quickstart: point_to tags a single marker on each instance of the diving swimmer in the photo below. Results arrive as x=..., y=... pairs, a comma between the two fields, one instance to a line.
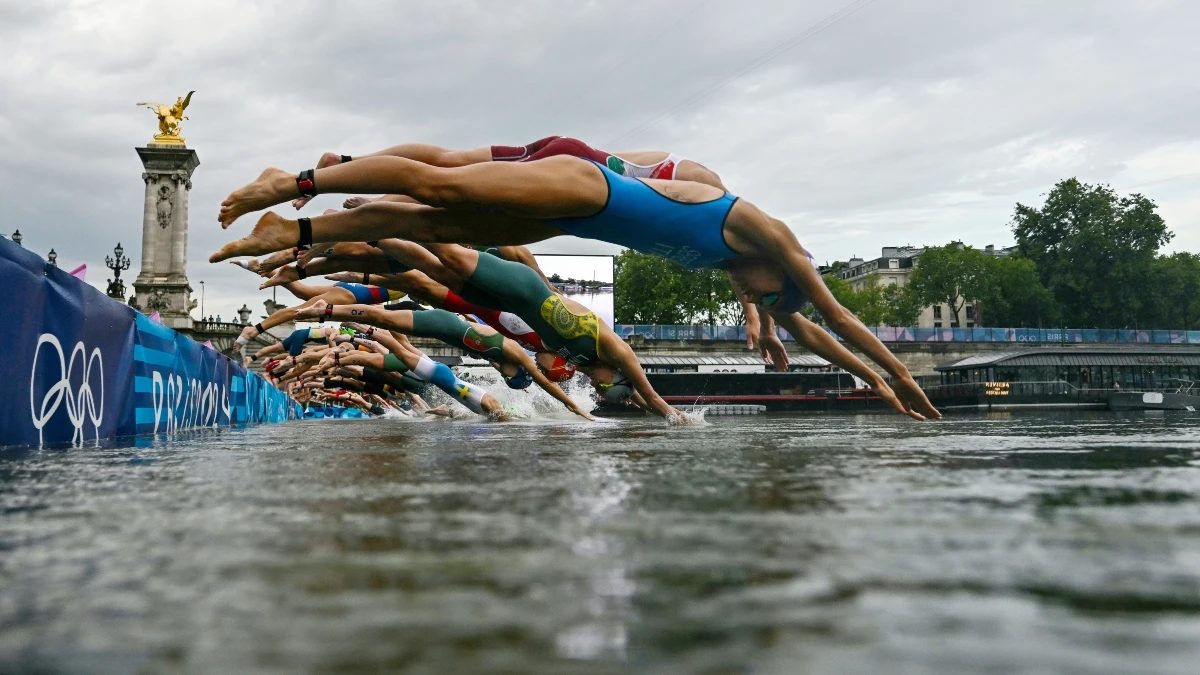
x=516, y=203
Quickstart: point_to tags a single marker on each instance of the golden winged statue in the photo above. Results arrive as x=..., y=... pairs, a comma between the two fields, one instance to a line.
x=169, y=119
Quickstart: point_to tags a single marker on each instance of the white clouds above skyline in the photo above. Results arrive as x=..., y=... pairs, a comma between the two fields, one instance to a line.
x=909, y=122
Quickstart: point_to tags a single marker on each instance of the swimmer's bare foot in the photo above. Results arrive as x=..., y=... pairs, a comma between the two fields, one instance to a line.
x=270, y=188
x=282, y=276
x=355, y=202
x=272, y=233
x=250, y=265
x=348, y=277
x=312, y=311
x=276, y=260
x=344, y=249
x=327, y=159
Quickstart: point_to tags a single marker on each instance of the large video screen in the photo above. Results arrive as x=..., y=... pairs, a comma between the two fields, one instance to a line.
x=586, y=279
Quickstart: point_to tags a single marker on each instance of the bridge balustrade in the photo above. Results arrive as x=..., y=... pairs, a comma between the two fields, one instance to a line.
x=1015, y=336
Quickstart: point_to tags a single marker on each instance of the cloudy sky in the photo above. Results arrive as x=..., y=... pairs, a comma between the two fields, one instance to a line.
x=905, y=122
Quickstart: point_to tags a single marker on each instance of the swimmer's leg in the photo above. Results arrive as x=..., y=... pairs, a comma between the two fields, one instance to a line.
x=383, y=220
x=558, y=187
x=440, y=375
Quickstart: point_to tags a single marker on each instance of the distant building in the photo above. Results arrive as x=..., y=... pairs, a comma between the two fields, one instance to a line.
x=894, y=266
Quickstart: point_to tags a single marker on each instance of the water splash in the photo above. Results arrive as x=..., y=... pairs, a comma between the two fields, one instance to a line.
x=691, y=418
x=393, y=415
x=527, y=405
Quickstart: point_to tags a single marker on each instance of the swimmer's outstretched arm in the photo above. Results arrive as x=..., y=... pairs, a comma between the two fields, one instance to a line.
x=374, y=346
x=393, y=342
x=298, y=370
x=769, y=345
x=267, y=351
x=280, y=317
x=352, y=359
x=822, y=344
x=312, y=355
x=514, y=352
x=843, y=322
x=376, y=316
x=355, y=267
x=619, y=355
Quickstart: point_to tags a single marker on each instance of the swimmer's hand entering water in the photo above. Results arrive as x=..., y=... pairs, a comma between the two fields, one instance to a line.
x=913, y=399
x=906, y=403
x=773, y=352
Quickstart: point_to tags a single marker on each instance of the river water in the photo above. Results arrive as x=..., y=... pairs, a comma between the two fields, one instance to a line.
x=1033, y=543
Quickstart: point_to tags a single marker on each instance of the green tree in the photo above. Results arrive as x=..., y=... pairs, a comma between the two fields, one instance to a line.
x=1093, y=250
x=652, y=290
x=843, y=292
x=876, y=305
x=951, y=274
x=904, y=306
x=1012, y=295
x=1172, y=293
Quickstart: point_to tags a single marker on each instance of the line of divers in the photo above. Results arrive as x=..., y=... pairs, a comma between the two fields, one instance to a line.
x=451, y=232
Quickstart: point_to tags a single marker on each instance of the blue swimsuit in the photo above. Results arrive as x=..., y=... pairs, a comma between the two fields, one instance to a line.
x=639, y=217
x=369, y=295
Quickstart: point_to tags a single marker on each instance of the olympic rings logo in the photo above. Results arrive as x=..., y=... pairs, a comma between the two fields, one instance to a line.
x=81, y=405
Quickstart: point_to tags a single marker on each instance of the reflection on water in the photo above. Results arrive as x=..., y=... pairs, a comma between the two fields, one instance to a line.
x=1006, y=543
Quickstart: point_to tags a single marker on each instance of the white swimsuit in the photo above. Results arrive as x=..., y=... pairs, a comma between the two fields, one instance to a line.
x=664, y=170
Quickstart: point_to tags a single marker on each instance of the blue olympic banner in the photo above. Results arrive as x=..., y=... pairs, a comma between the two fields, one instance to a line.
x=890, y=334
x=97, y=369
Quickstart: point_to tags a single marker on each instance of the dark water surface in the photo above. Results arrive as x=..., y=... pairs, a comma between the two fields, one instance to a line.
x=1028, y=543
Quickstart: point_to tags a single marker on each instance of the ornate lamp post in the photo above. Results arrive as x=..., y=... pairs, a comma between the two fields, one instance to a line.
x=52, y=257
x=244, y=314
x=116, y=287
x=17, y=238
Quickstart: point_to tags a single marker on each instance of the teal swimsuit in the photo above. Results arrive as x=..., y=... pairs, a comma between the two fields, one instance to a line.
x=637, y=216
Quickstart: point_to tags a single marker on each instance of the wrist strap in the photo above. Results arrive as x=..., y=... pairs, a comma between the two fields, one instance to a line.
x=305, y=233
x=366, y=278
x=301, y=272
x=305, y=183
x=328, y=313
x=258, y=327
x=346, y=158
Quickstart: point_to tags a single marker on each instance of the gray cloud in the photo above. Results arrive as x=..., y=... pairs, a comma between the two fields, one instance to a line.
x=908, y=122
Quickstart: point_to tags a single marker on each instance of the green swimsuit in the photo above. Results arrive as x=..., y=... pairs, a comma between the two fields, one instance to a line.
x=516, y=288
x=449, y=328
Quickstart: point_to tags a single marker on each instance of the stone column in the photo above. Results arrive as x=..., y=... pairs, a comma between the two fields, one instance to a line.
x=162, y=284
x=145, y=274
x=179, y=225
